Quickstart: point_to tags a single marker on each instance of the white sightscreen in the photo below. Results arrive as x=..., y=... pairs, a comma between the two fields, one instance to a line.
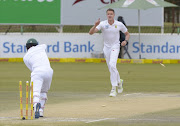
x=86, y=13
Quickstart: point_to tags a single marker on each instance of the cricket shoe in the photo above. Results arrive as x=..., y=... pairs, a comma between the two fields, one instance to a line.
x=113, y=93
x=120, y=86
x=37, y=113
x=41, y=113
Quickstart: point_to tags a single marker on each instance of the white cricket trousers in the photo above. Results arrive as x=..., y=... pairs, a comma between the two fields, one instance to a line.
x=111, y=56
x=41, y=84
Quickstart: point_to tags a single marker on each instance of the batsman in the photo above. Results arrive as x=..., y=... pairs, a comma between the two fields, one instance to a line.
x=38, y=63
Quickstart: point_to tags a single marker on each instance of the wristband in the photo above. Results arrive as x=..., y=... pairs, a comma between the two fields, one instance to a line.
x=127, y=42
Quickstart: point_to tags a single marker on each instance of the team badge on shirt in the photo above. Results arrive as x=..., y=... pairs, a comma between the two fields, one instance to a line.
x=115, y=26
x=107, y=26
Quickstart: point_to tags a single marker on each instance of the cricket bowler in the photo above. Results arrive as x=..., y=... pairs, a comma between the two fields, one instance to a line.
x=110, y=29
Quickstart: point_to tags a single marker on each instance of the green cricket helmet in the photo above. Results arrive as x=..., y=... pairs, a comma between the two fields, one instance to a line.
x=31, y=42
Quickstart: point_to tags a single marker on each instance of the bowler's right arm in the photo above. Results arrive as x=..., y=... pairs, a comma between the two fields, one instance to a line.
x=94, y=29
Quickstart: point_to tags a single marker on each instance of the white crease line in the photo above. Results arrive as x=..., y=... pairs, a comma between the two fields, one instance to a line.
x=147, y=119
x=133, y=94
x=98, y=120
x=67, y=119
x=86, y=120
x=9, y=117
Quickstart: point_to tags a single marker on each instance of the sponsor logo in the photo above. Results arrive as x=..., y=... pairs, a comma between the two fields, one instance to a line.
x=106, y=27
x=108, y=1
x=80, y=60
x=125, y=61
x=69, y=47
x=103, y=61
x=45, y=0
x=54, y=60
x=165, y=48
x=77, y=1
x=4, y=60
x=157, y=61
x=137, y=61
x=102, y=1
x=29, y=0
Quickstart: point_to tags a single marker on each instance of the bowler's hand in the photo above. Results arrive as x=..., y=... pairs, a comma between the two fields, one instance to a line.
x=97, y=22
x=123, y=43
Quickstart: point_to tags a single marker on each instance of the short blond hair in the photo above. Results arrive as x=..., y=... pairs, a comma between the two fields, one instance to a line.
x=110, y=9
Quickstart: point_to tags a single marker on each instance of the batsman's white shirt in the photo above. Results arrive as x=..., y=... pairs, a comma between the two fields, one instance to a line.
x=111, y=32
x=36, y=59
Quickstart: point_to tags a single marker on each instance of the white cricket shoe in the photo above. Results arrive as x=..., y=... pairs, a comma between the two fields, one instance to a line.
x=41, y=113
x=120, y=86
x=113, y=93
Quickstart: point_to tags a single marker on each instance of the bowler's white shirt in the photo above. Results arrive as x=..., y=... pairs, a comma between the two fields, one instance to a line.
x=36, y=59
x=111, y=32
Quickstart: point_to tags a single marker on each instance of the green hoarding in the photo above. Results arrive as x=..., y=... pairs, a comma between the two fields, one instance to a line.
x=30, y=11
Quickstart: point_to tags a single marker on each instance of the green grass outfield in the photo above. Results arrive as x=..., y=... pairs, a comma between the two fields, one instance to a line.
x=81, y=82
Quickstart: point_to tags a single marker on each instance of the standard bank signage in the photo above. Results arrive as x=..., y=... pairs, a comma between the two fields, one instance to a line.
x=58, y=46
x=83, y=45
